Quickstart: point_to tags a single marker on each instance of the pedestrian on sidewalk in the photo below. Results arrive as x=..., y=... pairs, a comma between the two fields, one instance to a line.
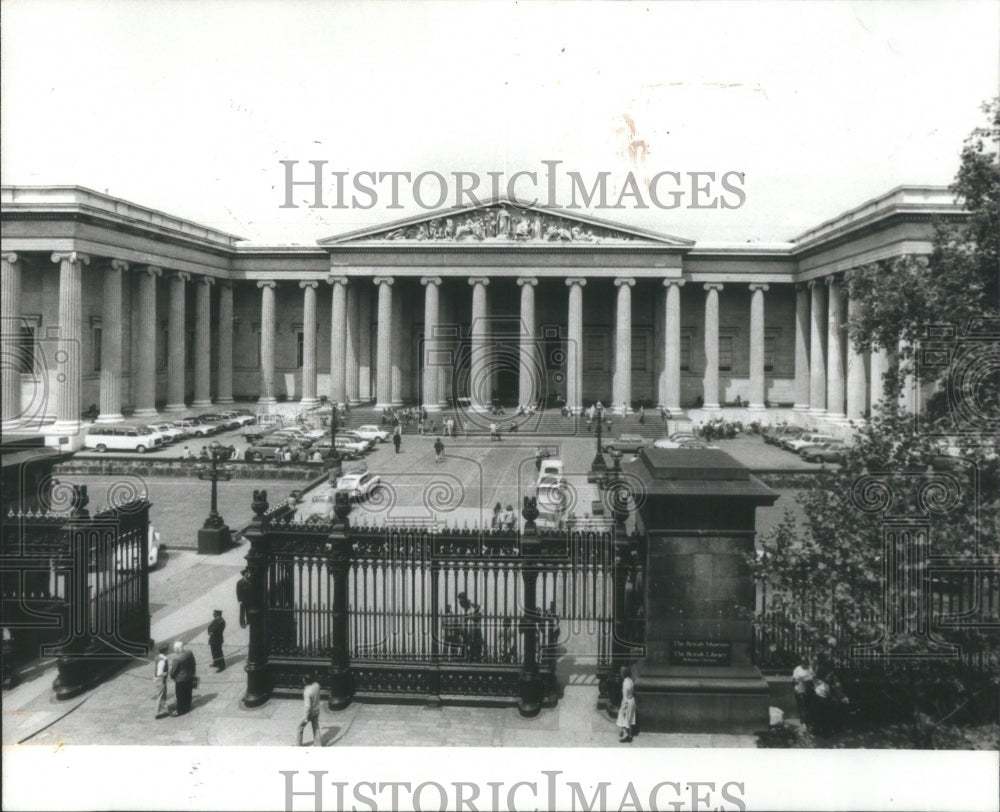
x=215, y=641
x=161, y=668
x=183, y=673
x=310, y=698
x=243, y=595
x=438, y=450
x=626, y=712
x=397, y=438
x=803, y=680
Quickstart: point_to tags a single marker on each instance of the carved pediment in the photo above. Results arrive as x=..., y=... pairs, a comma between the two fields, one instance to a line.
x=505, y=223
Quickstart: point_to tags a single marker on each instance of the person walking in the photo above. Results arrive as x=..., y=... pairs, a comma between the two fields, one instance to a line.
x=310, y=699
x=493, y=432
x=161, y=668
x=243, y=596
x=626, y=712
x=397, y=438
x=438, y=450
x=215, y=641
x=183, y=672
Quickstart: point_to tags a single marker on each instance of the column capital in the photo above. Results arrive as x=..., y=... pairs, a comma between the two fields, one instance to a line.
x=758, y=286
x=10, y=257
x=206, y=280
x=384, y=280
x=712, y=286
x=430, y=280
x=813, y=283
x=70, y=256
x=337, y=280
x=625, y=281
x=268, y=284
x=527, y=280
x=832, y=279
x=309, y=283
x=152, y=270
x=119, y=265
x=671, y=282
x=576, y=280
x=479, y=280
x=184, y=276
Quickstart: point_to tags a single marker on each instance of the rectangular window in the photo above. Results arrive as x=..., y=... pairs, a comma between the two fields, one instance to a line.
x=26, y=351
x=769, y=353
x=98, y=337
x=685, y=353
x=640, y=351
x=725, y=353
x=300, y=338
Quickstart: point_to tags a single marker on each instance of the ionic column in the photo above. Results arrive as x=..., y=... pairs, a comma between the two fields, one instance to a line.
x=111, y=344
x=10, y=326
x=224, y=359
x=670, y=396
x=70, y=317
x=266, y=343
x=711, y=379
x=309, y=343
x=881, y=362
x=338, y=338
x=480, y=379
x=801, y=347
x=574, y=344
x=622, y=383
x=817, y=355
x=528, y=384
x=857, y=395
x=364, y=300
x=175, y=345
x=757, y=382
x=835, y=357
x=145, y=361
x=351, y=364
x=383, y=343
x=203, y=342
x=432, y=314
x=445, y=371
x=400, y=347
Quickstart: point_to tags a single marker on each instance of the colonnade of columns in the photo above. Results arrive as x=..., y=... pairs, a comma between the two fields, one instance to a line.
x=62, y=367
x=830, y=376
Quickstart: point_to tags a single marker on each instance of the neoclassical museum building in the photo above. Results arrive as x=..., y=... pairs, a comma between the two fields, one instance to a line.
x=136, y=311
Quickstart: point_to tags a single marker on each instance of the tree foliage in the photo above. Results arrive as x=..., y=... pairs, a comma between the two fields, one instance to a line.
x=836, y=579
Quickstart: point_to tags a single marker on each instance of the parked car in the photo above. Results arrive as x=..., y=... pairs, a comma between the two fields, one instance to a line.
x=824, y=452
x=122, y=438
x=317, y=508
x=169, y=432
x=217, y=420
x=372, y=432
x=551, y=473
x=354, y=437
x=359, y=486
x=236, y=418
x=268, y=448
x=811, y=438
x=773, y=435
x=347, y=449
x=627, y=444
x=310, y=435
x=681, y=436
x=195, y=427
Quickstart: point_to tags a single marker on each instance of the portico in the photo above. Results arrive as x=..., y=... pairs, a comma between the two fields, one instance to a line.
x=142, y=312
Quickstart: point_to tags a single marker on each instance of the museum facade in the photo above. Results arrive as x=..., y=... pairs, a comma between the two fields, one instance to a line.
x=140, y=312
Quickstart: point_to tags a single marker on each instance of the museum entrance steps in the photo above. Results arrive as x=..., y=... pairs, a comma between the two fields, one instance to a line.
x=547, y=423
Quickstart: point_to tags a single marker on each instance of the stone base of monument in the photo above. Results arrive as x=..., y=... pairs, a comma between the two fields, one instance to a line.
x=697, y=699
x=214, y=540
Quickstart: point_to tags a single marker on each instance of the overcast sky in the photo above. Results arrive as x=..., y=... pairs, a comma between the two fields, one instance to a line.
x=188, y=107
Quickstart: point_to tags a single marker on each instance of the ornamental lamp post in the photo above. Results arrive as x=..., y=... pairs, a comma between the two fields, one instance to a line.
x=214, y=536
x=599, y=467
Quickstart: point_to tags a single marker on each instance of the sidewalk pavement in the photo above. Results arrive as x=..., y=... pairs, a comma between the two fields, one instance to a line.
x=184, y=591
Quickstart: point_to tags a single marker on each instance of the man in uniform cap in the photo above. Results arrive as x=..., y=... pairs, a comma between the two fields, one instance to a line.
x=215, y=630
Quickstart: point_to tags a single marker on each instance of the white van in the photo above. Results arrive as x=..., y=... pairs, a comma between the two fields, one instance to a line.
x=122, y=438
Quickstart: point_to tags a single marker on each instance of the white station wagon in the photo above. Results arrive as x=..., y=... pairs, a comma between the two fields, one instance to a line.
x=122, y=438
x=372, y=432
